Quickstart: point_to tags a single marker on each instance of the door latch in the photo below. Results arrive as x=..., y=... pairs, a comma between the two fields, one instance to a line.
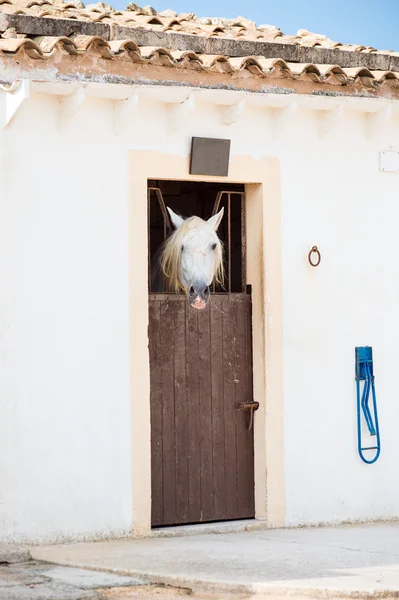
x=251, y=407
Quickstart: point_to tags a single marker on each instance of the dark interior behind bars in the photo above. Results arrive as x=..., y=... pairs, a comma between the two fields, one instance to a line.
x=189, y=198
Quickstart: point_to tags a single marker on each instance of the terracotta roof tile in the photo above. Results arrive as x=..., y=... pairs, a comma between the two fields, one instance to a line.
x=188, y=60
x=43, y=46
x=231, y=47
x=220, y=64
x=49, y=44
x=168, y=19
x=86, y=43
x=14, y=45
x=128, y=47
x=158, y=56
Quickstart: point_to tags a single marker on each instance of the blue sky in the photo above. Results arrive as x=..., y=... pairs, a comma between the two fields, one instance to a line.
x=369, y=22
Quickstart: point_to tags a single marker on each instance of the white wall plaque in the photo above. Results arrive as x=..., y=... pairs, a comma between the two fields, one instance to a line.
x=389, y=161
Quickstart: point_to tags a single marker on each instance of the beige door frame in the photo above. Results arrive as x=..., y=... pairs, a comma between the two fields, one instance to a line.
x=262, y=181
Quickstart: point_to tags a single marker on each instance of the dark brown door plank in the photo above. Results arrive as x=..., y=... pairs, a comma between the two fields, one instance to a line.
x=180, y=393
x=193, y=418
x=244, y=392
x=205, y=404
x=230, y=411
x=156, y=415
x=168, y=309
x=218, y=417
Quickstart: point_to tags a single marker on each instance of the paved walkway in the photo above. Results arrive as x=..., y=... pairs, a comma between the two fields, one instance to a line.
x=24, y=579
x=324, y=562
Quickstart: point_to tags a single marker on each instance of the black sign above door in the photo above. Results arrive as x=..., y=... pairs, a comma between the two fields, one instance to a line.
x=209, y=156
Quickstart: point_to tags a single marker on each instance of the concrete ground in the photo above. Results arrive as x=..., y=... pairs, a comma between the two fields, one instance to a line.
x=22, y=578
x=348, y=561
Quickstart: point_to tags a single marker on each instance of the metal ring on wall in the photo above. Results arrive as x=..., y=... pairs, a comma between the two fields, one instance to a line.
x=314, y=250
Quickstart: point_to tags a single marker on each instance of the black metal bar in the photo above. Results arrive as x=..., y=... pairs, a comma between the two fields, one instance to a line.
x=229, y=237
x=149, y=237
x=215, y=210
x=166, y=220
x=217, y=202
x=243, y=246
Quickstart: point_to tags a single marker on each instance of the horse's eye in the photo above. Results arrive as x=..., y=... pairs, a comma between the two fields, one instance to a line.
x=214, y=246
x=182, y=248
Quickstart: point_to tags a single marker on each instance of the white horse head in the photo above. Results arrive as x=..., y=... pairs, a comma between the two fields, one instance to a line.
x=193, y=257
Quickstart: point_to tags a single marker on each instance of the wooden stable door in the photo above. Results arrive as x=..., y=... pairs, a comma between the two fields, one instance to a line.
x=202, y=447
x=201, y=373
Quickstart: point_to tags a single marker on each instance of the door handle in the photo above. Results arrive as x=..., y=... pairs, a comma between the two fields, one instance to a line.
x=251, y=407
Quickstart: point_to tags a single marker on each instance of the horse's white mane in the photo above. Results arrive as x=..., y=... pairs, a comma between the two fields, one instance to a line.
x=171, y=255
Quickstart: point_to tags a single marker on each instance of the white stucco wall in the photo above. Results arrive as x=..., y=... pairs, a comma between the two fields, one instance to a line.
x=64, y=374
x=338, y=199
x=65, y=460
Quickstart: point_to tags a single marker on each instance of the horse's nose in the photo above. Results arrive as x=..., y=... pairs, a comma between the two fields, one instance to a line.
x=198, y=295
x=198, y=289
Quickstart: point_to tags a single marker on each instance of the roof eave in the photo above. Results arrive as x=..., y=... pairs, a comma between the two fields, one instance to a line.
x=38, y=26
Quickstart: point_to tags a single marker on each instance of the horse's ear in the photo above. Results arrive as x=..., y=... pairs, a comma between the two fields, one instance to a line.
x=215, y=220
x=176, y=219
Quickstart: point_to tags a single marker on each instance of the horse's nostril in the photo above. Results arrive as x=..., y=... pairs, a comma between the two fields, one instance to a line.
x=191, y=291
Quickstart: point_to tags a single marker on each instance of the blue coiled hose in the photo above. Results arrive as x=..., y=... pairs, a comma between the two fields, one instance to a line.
x=365, y=372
